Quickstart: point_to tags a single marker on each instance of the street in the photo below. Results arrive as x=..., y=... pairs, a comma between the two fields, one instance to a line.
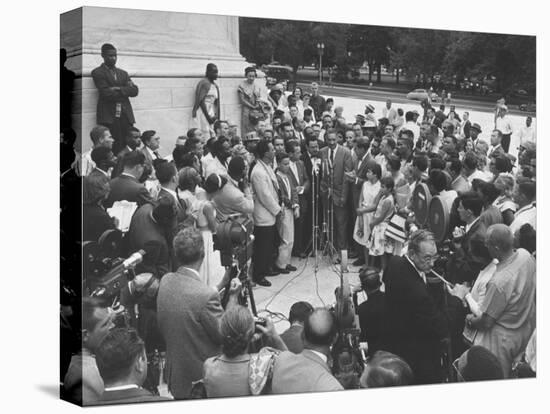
x=398, y=97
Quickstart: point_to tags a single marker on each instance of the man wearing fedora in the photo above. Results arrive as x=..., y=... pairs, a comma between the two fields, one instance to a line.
x=475, y=130
x=369, y=113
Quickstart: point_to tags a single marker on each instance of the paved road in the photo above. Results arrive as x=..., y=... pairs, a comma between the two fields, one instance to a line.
x=399, y=97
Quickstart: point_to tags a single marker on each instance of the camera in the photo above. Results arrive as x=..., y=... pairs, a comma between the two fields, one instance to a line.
x=234, y=240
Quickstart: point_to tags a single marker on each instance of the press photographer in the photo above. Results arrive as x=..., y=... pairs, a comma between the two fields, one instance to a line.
x=237, y=372
x=189, y=314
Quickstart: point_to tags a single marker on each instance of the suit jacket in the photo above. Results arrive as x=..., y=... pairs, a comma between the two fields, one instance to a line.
x=287, y=199
x=308, y=164
x=127, y=188
x=181, y=213
x=266, y=199
x=145, y=234
x=472, y=256
x=108, y=99
x=414, y=324
x=301, y=180
x=230, y=200
x=342, y=164
x=95, y=221
x=119, y=167
x=96, y=172
x=304, y=372
x=360, y=168
x=148, y=157
x=371, y=320
x=189, y=314
x=133, y=395
x=292, y=338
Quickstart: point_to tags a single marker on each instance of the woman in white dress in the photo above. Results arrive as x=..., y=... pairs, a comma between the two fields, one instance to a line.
x=211, y=270
x=367, y=205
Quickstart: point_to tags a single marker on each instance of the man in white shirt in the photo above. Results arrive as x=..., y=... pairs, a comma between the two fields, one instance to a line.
x=411, y=125
x=101, y=137
x=504, y=125
x=527, y=133
x=525, y=196
x=389, y=112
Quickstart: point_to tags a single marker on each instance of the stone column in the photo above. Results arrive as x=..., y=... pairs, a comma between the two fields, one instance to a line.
x=165, y=53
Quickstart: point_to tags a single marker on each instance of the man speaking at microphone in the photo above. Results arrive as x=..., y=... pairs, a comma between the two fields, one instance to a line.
x=337, y=162
x=416, y=325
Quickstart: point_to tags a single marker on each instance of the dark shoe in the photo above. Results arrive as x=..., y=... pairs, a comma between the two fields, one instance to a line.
x=303, y=255
x=359, y=262
x=283, y=271
x=352, y=255
x=272, y=273
x=291, y=268
x=264, y=282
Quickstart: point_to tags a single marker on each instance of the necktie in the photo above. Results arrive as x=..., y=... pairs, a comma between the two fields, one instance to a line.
x=331, y=157
x=156, y=154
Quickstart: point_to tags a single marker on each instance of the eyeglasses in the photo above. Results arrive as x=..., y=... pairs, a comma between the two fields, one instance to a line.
x=429, y=258
x=459, y=376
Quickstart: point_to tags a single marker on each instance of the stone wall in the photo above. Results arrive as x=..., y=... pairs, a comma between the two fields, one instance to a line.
x=165, y=53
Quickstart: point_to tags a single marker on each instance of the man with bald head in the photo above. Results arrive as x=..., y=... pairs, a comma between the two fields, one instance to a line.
x=308, y=371
x=507, y=311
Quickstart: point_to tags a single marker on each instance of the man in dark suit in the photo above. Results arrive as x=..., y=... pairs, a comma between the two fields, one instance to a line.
x=292, y=337
x=308, y=371
x=104, y=161
x=299, y=180
x=471, y=253
x=127, y=186
x=114, y=109
x=167, y=174
x=150, y=230
x=336, y=162
x=312, y=164
x=189, y=314
x=122, y=363
x=133, y=142
x=371, y=312
x=151, y=144
x=415, y=326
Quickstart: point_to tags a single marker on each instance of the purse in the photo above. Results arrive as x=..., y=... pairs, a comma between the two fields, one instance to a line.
x=396, y=229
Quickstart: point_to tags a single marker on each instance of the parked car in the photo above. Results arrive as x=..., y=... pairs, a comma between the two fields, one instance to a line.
x=519, y=97
x=421, y=94
x=528, y=107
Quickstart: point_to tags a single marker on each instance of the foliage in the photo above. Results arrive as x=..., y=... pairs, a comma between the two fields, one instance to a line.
x=510, y=58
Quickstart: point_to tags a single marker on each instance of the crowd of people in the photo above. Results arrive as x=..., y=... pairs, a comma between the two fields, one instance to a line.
x=297, y=165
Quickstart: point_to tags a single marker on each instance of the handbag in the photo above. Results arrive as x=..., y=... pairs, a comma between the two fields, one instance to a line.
x=396, y=228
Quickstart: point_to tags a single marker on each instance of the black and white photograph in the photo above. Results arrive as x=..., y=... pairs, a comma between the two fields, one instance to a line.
x=259, y=200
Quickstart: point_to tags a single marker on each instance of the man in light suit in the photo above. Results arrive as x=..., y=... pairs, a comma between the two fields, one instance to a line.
x=114, y=109
x=308, y=371
x=189, y=314
x=151, y=144
x=231, y=199
x=266, y=209
x=300, y=181
x=290, y=211
x=336, y=163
